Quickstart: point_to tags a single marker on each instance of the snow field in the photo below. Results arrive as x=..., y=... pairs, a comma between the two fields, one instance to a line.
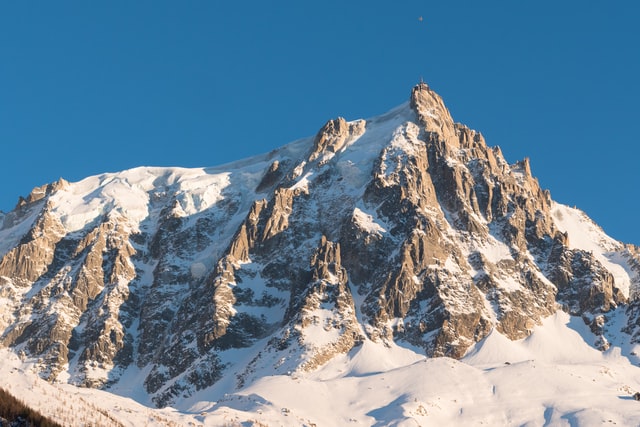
x=552, y=377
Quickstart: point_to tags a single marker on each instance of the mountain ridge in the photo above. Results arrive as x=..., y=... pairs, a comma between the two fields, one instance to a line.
x=404, y=228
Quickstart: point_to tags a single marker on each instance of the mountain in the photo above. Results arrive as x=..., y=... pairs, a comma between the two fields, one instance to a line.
x=401, y=237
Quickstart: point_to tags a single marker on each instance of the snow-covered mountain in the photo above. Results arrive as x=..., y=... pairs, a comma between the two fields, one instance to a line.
x=400, y=247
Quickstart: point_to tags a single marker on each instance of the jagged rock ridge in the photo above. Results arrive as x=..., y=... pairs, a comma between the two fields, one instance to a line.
x=406, y=227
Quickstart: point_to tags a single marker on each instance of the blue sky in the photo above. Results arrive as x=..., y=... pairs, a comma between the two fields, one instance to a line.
x=92, y=87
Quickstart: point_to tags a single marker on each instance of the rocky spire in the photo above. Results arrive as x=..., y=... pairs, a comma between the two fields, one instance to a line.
x=43, y=191
x=334, y=135
x=431, y=111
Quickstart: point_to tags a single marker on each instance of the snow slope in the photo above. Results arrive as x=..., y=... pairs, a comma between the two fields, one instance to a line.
x=553, y=378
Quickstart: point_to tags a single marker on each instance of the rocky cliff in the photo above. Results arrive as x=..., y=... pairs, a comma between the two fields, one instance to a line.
x=403, y=228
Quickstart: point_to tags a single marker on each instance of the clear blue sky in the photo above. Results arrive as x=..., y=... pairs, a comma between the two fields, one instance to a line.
x=98, y=86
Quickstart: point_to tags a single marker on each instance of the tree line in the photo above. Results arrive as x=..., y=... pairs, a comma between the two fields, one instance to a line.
x=14, y=412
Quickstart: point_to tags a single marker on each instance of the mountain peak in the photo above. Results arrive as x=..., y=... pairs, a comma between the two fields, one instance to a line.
x=431, y=111
x=43, y=191
x=333, y=137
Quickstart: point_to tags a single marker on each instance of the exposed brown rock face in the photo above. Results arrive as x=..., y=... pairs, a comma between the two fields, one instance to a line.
x=334, y=135
x=406, y=227
x=43, y=191
x=247, y=237
x=25, y=263
x=328, y=291
x=47, y=321
x=431, y=113
x=280, y=211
